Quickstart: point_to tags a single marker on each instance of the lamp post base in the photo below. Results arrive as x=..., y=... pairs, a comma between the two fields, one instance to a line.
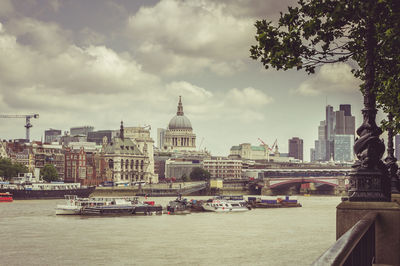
x=366, y=185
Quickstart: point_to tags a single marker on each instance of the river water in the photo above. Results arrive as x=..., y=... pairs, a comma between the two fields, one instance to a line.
x=31, y=234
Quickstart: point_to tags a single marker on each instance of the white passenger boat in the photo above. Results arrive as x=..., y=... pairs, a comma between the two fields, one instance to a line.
x=221, y=205
x=72, y=206
x=106, y=206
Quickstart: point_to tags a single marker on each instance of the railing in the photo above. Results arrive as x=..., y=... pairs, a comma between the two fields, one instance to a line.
x=355, y=247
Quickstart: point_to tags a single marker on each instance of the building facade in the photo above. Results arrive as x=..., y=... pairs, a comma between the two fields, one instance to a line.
x=339, y=123
x=97, y=136
x=84, y=130
x=179, y=135
x=52, y=135
x=178, y=168
x=344, y=148
x=296, y=148
x=126, y=162
x=223, y=168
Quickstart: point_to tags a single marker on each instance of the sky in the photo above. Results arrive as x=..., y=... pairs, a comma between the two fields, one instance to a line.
x=97, y=62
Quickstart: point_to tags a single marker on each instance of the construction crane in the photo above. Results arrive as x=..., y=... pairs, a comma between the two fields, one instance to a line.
x=28, y=124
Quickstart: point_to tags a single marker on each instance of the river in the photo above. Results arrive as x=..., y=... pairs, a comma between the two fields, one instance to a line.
x=31, y=234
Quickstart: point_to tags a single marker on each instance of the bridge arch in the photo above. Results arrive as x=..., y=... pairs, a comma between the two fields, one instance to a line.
x=277, y=183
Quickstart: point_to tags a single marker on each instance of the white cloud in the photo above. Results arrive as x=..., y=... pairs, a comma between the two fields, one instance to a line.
x=331, y=78
x=191, y=36
x=100, y=86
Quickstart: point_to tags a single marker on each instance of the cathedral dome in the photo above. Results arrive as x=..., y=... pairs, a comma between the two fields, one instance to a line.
x=179, y=122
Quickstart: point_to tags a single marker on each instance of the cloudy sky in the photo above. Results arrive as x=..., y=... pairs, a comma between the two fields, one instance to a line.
x=97, y=62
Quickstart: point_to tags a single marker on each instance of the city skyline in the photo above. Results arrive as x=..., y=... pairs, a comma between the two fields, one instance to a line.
x=133, y=65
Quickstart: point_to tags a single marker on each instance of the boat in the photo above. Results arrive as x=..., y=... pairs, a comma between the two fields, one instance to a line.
x=54, y=190
x=219, y=204
x=273, y=202
x=6, y=197
x=106, y=206
x=72, y=206
x=179, y=206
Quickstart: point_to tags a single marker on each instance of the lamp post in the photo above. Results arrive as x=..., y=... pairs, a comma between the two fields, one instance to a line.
x=390, y=160
x=368, y=179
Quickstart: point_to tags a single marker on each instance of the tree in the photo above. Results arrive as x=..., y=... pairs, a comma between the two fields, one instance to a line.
x=9, y=170
x=49, y=173
x=199, y=173
x=324, y=32
x=185, y=178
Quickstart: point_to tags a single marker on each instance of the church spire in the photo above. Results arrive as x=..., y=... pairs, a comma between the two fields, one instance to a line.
x=180, y=107
x=121, y=131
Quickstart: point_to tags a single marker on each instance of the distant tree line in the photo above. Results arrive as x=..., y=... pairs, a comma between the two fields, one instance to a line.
x=9, y=170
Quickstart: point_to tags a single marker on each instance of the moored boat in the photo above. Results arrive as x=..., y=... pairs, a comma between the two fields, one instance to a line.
x=72, y=206
x=6, y=197
x=178, y=206
x=55, y=190
x=222, y=205
x=106, y=206
x=273, y=202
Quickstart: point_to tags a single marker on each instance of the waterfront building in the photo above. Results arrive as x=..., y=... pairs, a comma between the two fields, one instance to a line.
x=84, y=130
x=141, y=136
x=178, y=168
x=97, y=136
x=49, y=154
x=52, y=135
x=80, y=163
x=126, y=161
x=223, y=168
x=296, y=148
x=21, y=152
x=344, y=148
x=160, y=158
x=246, y=151
x=179, y=135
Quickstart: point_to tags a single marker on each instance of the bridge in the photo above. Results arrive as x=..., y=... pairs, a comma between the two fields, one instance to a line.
x=277, y=181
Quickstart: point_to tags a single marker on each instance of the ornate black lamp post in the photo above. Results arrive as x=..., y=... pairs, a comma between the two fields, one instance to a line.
x=391, y=161
x=368, y=180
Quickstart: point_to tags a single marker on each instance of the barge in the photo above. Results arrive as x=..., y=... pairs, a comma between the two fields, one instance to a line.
x=55, y=190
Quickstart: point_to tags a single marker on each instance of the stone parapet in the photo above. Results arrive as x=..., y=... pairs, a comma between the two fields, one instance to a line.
x=387, y=226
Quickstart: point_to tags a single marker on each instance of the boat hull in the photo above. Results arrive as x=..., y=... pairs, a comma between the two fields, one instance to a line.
x=20, y=194
x=70, y=210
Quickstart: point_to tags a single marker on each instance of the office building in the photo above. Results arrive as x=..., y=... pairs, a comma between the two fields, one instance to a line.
x=344, y=148
x=339, y=123
x=296, y=148
x=81, y=130
x=52, y=135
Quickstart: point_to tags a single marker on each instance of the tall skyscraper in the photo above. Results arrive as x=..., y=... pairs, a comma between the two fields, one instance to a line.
x=344, y=148
x=346, y=108
x=340, y=123
x=296, y=148
x=336, y=134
